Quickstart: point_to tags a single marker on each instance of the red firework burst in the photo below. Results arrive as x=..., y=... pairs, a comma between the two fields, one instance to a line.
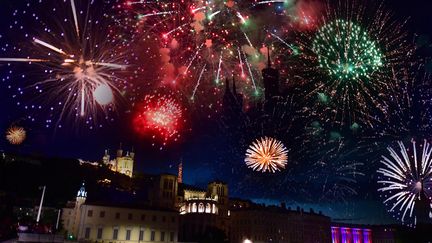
x=159, y=116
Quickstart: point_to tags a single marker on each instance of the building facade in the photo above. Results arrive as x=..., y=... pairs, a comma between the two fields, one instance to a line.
x=119, y=223
x=260, y=224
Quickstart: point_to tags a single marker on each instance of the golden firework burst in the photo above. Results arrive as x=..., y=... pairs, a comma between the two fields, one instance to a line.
x=16, y=135
x=267, y=154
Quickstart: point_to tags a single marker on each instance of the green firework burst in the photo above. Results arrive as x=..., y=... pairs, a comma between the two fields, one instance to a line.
x=346, y=51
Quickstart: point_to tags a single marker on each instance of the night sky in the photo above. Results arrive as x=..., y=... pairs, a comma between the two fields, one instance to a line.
x=202, y=147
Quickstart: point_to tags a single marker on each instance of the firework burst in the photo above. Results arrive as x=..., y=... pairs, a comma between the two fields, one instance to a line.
x=16, y=135
x=347, y=63
x=75, y=60
x=201, y=42
x=404, y=177
x=159, y=116
x=267, y=154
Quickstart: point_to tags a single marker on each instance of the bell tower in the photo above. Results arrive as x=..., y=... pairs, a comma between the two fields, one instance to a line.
x=270, y=79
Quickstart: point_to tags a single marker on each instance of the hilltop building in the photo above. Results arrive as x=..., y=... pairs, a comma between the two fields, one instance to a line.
x=123, y=162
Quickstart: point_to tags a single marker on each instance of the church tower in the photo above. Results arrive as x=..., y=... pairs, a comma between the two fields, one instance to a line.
x=270, y=80
x=106, y=158
x=180, y=172
x=76, y=212
x=125, y=164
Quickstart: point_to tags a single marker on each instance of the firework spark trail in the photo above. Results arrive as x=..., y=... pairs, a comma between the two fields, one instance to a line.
x=74, y=12
x=241, y=63
x=49, y=46
x=156, y=14
x=193, y=59
x=21, y=60
x=271, y=1
x=283, y=42
x=219, y=68
x=198, y=83
x=173, y=30
x=250, y=73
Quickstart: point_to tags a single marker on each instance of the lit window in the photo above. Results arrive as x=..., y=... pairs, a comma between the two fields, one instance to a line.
x=87, y=233
x=128, y=234
x=115, y=234
x=99, y=233
x=162, y=236
x=141, y=234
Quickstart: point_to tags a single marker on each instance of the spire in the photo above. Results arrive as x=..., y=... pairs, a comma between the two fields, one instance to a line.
x=268, y=57
x=120, y=151
x=234, y=85
x=82, y=192
x=227, y=85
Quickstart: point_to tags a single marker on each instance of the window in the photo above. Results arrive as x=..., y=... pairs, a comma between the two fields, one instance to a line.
x=87, y=233
x=117, y=215
x=128, y=234
x=90, y=213
x=162, y=236
x=102, y=214
x=152, y=236
x=165, y=184
x=142, y=217
x=154, y=218
x=163, y=219
x=99, y=233
x=172, y=236
x=115, y=234
x=173, y=219
x=130, y=216
x=141, y=234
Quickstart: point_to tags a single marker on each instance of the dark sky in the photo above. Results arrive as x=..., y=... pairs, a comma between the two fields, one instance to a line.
x=196, y=148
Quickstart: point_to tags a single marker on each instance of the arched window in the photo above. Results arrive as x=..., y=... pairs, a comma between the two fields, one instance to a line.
x=194, y=208
x=208, y=208
x=201, y=208
x=213, y=208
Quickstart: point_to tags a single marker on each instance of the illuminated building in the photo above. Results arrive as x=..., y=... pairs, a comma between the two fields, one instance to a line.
x=262, y=224
x=353, y=234
x=123, y=163
x=108, y=222
x=203, y=212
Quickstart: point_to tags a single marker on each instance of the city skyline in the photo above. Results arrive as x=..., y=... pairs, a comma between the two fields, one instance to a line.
x=318, y=104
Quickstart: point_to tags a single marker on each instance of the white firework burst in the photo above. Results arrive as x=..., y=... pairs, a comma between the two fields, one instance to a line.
x=266, y=154
x=404, y=176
